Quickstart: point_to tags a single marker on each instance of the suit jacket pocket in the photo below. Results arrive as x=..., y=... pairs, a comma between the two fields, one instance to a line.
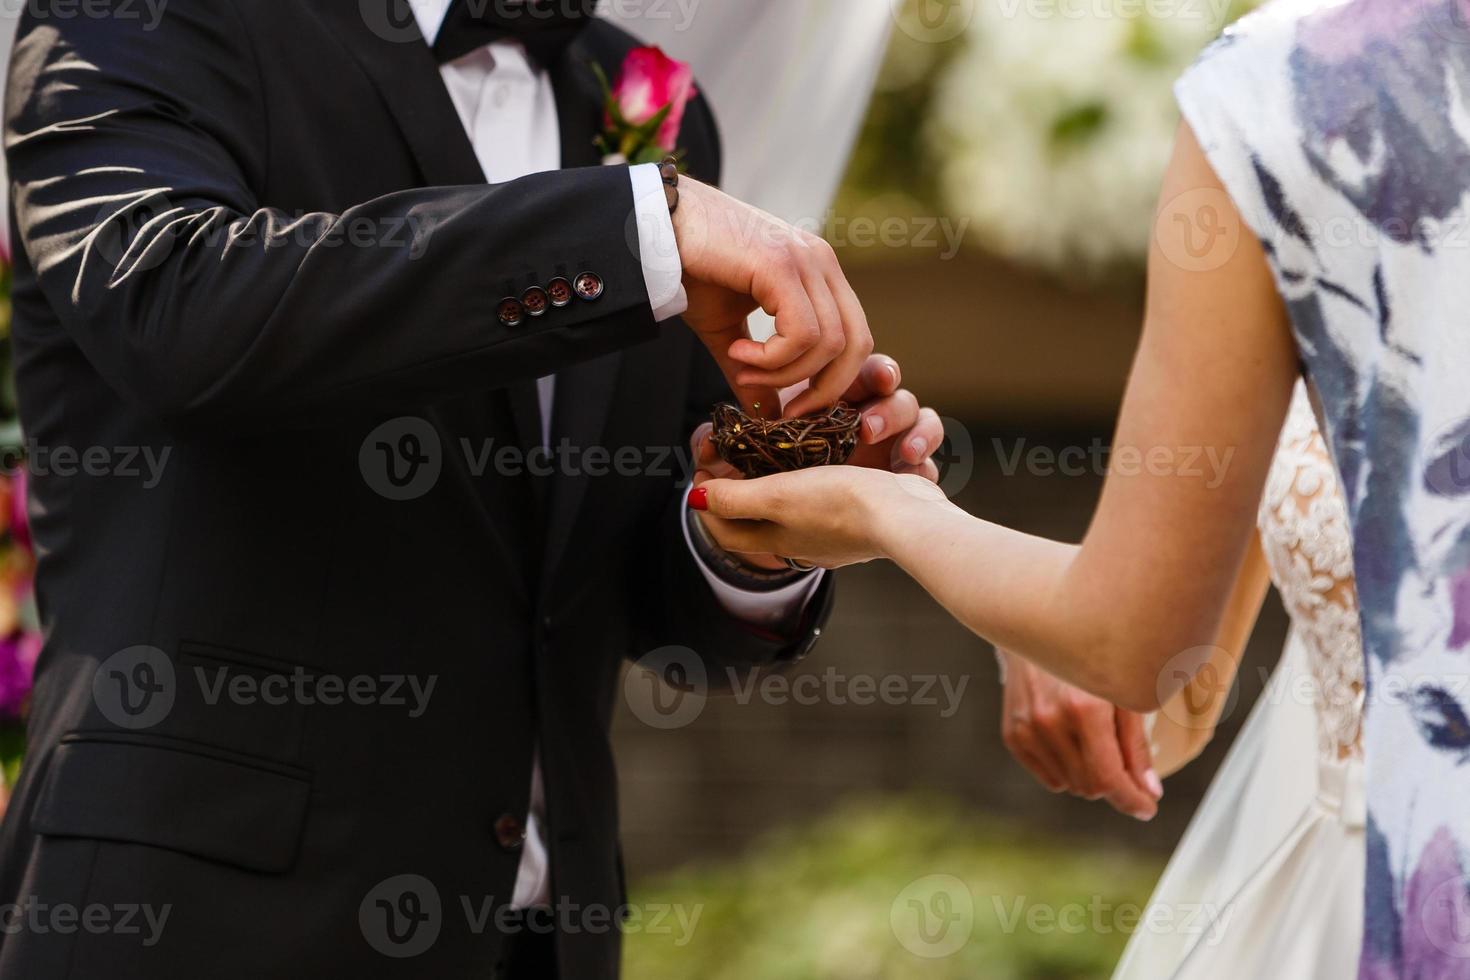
x=237, y=701
x=144, y=789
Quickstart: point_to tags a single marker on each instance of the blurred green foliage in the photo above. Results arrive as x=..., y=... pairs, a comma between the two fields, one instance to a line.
x=818, y=903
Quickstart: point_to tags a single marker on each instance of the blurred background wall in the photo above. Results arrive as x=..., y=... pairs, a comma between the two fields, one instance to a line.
x=994, y=218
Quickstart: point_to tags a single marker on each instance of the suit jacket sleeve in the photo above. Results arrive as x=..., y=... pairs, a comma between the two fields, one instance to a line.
x=135, y=155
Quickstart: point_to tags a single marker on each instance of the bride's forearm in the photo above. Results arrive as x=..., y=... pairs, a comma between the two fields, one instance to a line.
x=1085, y=621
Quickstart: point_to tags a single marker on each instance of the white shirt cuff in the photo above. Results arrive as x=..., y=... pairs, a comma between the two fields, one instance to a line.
x=663, y=269
x=775, y=609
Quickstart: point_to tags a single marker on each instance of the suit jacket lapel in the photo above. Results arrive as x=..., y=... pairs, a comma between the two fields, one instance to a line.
x=584, y=392
x=385, y=40
x=392, y=52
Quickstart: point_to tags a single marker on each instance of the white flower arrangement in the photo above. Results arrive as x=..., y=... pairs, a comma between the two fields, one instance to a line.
x=1053, y=126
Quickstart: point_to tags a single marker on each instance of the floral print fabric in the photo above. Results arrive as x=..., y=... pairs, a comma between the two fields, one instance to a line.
x=1342, y=132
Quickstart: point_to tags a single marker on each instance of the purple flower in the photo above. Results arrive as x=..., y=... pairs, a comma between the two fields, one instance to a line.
x=1436, y=934
x=1460, y=596
x=18, y=654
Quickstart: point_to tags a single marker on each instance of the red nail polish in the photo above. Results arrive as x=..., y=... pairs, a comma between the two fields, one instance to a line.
x=699, y=498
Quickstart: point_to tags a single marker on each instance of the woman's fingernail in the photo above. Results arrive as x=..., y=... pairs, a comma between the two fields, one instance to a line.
x=892, y=372
x=876, y=425
x=1154, y=783
x=698, y=498
x=920, y=448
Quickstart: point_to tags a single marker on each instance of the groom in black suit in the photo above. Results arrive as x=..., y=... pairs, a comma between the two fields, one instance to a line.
x=326, y=691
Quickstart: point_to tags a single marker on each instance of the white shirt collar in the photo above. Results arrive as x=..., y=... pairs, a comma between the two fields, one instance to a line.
x=430, y=14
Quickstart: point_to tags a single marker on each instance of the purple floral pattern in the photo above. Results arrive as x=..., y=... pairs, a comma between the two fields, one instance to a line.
x=1341, y=129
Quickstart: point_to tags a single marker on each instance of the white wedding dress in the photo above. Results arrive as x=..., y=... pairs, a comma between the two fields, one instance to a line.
x=1268, y=880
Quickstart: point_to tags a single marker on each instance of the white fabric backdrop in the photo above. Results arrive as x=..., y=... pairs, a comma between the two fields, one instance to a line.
x=9, y=17
x=790, y=81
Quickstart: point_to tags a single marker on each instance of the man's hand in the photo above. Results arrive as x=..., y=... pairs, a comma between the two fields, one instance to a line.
x=897, y=434
x=1073, y=742
x=738, y=258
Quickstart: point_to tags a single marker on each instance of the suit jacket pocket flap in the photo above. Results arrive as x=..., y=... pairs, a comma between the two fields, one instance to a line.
x=128, y=788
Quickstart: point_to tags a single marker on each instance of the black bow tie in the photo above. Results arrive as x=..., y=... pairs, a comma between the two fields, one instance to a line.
x=545, y=27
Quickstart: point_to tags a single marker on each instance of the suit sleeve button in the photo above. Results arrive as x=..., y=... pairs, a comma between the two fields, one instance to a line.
x=510, y=833
x=535, y=300
x=560, y=292
x=510, y=312
x=589, y=286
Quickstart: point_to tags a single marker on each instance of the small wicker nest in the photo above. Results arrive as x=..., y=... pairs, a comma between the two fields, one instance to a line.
x=760, y=447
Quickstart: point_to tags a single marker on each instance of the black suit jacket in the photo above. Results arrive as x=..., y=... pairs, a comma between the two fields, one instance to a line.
x=254, y=237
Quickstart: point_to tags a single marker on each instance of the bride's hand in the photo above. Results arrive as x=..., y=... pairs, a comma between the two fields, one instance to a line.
x=829, y=516
x=1076, y=743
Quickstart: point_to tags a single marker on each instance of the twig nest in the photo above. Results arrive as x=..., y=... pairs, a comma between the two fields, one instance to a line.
x=760, y=447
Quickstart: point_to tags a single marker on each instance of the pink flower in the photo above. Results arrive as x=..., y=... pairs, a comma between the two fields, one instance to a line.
x=18, y=654
x=649, y=81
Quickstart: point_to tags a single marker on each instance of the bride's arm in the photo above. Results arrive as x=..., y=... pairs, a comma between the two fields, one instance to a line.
x=1142, y=598
x=1187, y=722
x=1145, y=593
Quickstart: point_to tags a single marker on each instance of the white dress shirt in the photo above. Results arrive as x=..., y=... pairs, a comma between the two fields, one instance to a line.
x=508, y=109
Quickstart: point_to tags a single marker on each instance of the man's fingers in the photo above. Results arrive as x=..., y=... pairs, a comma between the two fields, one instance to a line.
x=748, y=395
x=887, y=418
x=922, y=441
x=832, y=353
x=784, y=295
x=700, y=445
x=880, y=377
x=708, y=462
x=832, y=381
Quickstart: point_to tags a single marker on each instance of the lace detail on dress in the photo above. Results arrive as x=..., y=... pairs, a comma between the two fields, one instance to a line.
x=1308, y=544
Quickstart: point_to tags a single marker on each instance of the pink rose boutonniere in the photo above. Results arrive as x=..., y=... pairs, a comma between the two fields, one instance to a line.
x=645, y=107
